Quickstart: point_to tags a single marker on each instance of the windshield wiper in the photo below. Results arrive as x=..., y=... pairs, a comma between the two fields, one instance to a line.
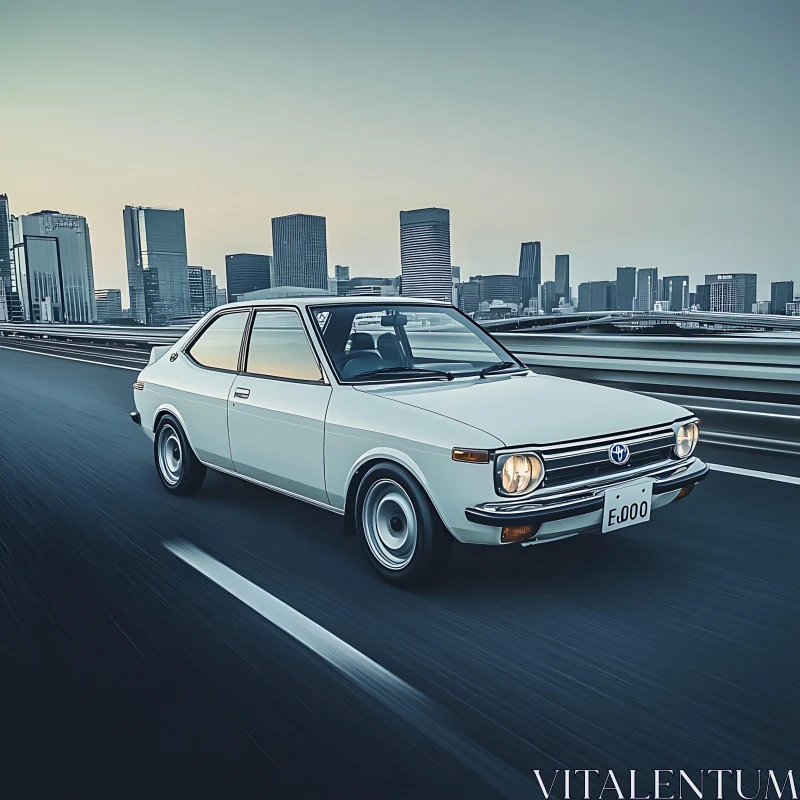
x=413, y=370
x=499, y=366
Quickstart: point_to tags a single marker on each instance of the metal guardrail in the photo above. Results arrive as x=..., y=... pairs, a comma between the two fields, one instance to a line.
x=746, y=388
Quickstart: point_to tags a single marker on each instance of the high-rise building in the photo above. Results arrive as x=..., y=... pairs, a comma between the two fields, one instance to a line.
x=506, y=289
x=676, y=292
x=300, y=252
x=12, y=305
x=562, y=280
x=626, y=288
x=158, y=277
x=781, y=293
x=247, y=272
x=341, y=273
x=703, y=297
x=222, y=296
x=202, y=290
x=646, y=288
x=733, y=293
x=456, y=274
x=53, y=262
x=530, y=271
x=597, y=296
x=548, y=300
x=425, y=254
x=197, y=301
x=109, y=304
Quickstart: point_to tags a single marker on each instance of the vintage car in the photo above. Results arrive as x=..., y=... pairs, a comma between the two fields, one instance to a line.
x=413, y=422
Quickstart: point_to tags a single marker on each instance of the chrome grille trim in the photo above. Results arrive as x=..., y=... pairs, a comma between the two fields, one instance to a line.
x=664, y=434
x=582, y=490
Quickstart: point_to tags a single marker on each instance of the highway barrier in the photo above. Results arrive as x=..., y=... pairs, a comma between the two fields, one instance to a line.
x=745, y=387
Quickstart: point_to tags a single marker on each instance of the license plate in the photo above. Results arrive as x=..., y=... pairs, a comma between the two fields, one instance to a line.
x=627, y=505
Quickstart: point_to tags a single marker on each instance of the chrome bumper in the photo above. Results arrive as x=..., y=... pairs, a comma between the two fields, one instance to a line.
x=572, y=502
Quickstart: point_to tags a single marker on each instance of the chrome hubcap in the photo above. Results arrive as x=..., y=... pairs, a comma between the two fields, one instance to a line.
x=390, y=524
x=170, y=455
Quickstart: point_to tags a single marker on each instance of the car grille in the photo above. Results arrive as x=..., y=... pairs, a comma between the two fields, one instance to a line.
x=578, y=461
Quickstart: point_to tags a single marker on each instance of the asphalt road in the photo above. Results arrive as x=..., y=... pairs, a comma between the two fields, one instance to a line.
x=125, y=672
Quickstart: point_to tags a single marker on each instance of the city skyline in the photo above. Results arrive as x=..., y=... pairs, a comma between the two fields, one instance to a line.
x=636, y=150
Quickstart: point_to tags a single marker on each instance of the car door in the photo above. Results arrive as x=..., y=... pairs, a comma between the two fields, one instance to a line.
x=201, y=377
x=277, y=405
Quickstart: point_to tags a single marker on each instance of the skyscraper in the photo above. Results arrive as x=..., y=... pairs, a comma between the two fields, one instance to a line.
x=733, y=293
x=109, y=304
x=53, y=260
x=530, y=271
x=12, y=307
x=703, y=297
x=425, y=254
x=158, y=277
x=597, y=296
x=646, y=288
x=247, y=272
x=300, y=252
x=781, y=293
x=626, y=288
x=547, y=297
x=676, y=292
x=562, y=280
x=341, y=273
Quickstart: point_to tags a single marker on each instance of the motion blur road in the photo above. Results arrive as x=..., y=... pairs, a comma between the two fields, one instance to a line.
x=126, y=672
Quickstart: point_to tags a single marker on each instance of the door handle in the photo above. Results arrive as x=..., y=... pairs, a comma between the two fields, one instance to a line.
x=241, y=393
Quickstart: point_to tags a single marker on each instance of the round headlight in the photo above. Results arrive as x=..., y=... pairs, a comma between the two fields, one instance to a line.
x=686, y=440
x=520, y=473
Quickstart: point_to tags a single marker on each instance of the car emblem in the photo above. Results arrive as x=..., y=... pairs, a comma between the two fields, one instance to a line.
x=619, y=454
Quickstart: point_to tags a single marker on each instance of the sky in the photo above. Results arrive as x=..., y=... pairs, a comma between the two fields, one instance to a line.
x=647, y=133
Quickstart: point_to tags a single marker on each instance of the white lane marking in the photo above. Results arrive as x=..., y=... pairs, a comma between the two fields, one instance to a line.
x=403, y=701
x=754, y=473
x=71, y=358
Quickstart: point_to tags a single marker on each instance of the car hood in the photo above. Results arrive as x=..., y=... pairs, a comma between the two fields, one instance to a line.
x=535, y=409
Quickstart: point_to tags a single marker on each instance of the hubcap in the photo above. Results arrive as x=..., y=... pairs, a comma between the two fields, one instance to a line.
x=390, y=524
x=170, y=455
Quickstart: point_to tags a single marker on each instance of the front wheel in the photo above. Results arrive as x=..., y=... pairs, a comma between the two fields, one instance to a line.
x=400, y=531
x=178, y=467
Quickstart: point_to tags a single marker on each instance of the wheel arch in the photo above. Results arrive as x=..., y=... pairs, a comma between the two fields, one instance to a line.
x=162, y=411
x=363, y=466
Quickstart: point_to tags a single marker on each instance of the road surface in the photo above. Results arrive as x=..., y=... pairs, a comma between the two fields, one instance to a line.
x=129, y=672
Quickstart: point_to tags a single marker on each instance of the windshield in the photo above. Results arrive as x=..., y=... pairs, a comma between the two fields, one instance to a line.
x=371, y=343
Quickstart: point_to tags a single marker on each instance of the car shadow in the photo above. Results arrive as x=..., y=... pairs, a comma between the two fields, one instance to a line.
x=585, y=563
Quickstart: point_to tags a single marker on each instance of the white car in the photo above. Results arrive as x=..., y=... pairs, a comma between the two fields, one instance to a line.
x=410, y=420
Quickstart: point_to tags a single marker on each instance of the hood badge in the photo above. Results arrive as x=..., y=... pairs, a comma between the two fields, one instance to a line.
x=619, y=454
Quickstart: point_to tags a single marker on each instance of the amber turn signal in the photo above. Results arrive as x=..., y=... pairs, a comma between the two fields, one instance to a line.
x=471, y=456
x=516, y=533
x=685, y=492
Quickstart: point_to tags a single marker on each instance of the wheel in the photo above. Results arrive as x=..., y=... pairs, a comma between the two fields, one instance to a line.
x=400, y=531
x=178, y=467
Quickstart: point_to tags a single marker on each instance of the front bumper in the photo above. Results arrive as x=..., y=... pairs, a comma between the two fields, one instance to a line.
x=574, y=502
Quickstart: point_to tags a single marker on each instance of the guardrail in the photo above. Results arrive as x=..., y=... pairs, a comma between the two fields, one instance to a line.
x=746, y=388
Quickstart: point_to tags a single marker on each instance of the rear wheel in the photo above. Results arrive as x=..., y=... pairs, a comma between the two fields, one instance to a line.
x=400, y=531
x=178, y=467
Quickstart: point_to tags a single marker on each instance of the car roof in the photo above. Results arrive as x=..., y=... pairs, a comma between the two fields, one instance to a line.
x=327, y=300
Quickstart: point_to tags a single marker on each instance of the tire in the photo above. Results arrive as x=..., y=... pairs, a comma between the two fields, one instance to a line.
x=401, y=533
x=178, y=467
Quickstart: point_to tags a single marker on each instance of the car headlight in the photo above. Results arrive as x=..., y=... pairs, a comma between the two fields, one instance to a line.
x=686, y=440
x=518, y=473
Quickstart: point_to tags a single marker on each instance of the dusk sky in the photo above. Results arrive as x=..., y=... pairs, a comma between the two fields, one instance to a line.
x=623, y=133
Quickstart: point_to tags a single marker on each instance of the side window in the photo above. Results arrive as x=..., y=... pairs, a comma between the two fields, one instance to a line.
x=218, y=345
x=279, y=348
